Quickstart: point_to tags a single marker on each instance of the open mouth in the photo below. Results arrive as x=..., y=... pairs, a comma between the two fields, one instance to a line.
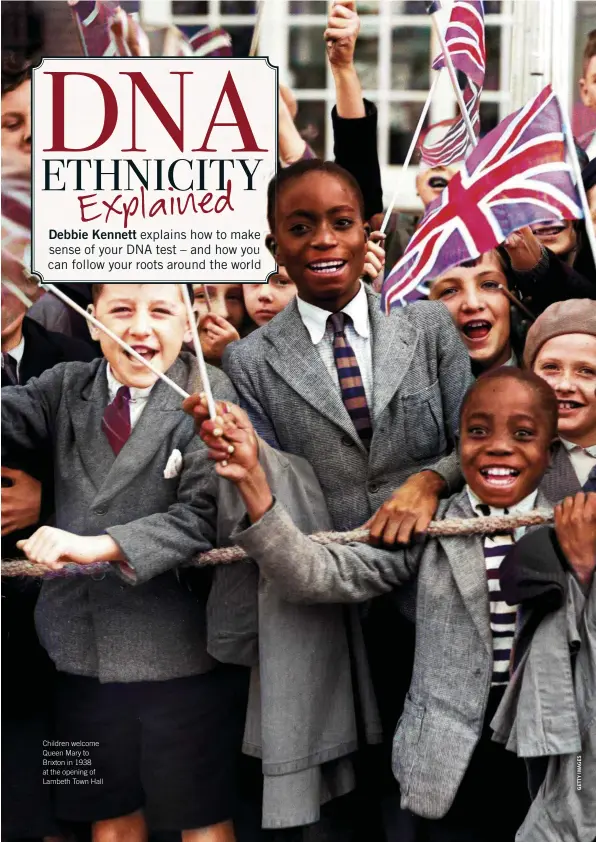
x=326, y=267
x=437, y=182
x=477, y=330
x=548, y=230
x=144, y=351
x=499, y=477
x=568, y=406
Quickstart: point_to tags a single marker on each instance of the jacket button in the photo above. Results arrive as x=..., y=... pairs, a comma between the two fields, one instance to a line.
x=101, y=510
x=373, y=487
x=347, y=441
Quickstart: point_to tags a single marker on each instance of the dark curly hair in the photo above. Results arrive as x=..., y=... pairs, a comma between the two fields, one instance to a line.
x=16, y=69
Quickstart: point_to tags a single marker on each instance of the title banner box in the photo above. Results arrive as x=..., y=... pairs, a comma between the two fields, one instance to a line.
x=152, y=169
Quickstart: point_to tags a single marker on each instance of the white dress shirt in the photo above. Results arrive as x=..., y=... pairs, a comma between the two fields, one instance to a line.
x=17, y=354
x=357, y=333
x=138, y=397
x=583, y=459
x=523, y=507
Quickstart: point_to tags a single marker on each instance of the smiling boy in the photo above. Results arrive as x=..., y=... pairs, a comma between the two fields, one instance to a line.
x=133, y=671
x=443, y=754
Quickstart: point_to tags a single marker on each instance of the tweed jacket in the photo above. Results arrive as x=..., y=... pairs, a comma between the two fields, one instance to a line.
x=152, y=628
x=560, y=479
x=445, y=708
x=548, y=712
x=421, y=371
x=300, y=659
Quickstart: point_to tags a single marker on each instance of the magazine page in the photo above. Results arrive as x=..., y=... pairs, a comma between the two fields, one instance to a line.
x=298, y=420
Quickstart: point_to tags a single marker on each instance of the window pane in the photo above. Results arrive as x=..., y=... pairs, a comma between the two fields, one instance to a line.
x=489, y=117
x=366, y=59
x=238, y=7
x=311, y=124
x=309, y=7
x=185, y=7
x=410, y=60
x=307, y=57
x=493, y=58
x=403, y=119
x=241, y=38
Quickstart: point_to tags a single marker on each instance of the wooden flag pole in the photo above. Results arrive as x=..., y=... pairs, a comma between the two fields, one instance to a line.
x=18, y=293
x=408, y=158
x=453, y=76
x=78, y=27
x=256, y=33
x=580, y=184
x=96, y=323
x=199, y=352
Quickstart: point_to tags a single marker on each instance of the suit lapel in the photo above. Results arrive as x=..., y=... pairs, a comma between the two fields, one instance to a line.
x=393, y=345
x=161, y=415
x=299, y=364
x=560, y=480
x=86, y=412
x=466, y=558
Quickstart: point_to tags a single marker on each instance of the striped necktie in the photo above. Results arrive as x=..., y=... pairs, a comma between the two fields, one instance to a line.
x=502, y=616
x=591, y=481
x=350, y=378
x=116, y=420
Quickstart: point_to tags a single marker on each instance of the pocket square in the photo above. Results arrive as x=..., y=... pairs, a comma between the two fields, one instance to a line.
x=174, y=465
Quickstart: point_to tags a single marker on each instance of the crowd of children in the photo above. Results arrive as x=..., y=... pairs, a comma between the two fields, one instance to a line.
x=415, y=688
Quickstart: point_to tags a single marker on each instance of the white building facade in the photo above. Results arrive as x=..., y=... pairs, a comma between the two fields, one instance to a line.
x=529, y=43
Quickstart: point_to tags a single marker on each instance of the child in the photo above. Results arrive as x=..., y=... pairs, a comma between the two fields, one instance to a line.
x=587, y=89
x=132, y=487
x=561, y=348
x=264, y=301
x=443, y=754
x=480, y=310
x=221, y=317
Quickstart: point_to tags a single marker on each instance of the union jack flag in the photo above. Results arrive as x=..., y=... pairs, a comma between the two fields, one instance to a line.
x=454, y=144
x=465, y=40
x=517, y=175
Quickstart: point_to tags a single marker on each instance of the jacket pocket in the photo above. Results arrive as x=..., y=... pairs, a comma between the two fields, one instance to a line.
x=405, y=743
x=423, y=423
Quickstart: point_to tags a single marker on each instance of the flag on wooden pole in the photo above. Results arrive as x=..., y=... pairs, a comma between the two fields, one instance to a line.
x=517, y=175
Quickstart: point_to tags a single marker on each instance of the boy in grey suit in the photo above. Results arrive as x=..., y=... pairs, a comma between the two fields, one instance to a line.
x=370, y=401
x=443, y=754
x=133, y=487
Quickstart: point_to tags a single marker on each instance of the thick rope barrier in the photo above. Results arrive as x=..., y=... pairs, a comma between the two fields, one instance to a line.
x=228, y=555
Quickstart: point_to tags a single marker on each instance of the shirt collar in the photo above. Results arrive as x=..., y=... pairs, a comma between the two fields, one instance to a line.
x=315, y=318
x=17, y=352
x=525, y=505
x=569, y=446
x=114, y=385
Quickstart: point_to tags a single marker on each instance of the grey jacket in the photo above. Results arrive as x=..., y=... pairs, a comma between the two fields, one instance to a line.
x=421, y=370
x=445, y=708
x=549, y=711
x=155, y=629
x=560, y=479
x=300, y=659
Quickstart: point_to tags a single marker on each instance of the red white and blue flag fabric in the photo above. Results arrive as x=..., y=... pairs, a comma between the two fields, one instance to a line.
x=453, y=146
x=465, y=40
x=516, y=176
x=107, y=27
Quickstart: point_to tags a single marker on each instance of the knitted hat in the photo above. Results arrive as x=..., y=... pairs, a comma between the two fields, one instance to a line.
x=563, y=317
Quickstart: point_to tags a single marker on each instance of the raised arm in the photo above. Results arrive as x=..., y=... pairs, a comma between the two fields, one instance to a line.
x=302, y=570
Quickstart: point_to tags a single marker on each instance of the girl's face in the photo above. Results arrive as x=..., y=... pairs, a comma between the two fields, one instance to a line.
x=264, y=301
x=479, y=309
x=568, y=364
x=16, y=122
x=559, y=237
x=226, y=300
x=321, y=238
